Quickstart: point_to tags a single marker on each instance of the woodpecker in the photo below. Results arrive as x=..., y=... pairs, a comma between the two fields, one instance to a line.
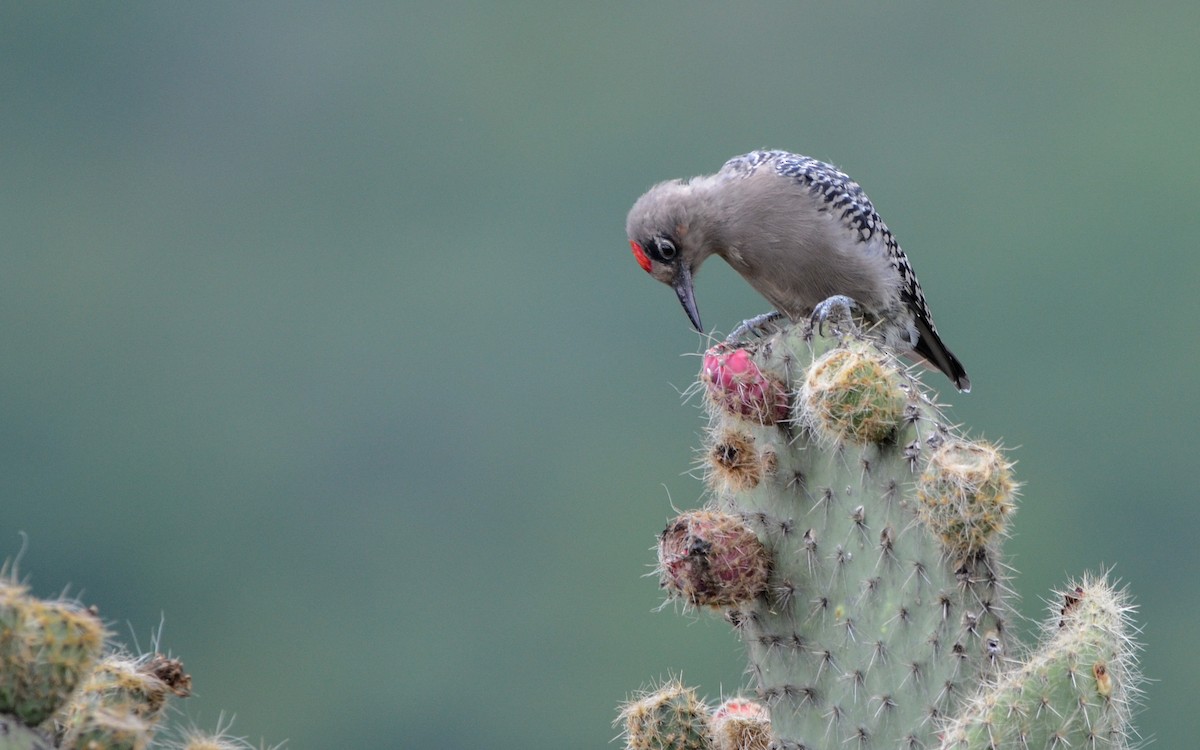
x=802, y=233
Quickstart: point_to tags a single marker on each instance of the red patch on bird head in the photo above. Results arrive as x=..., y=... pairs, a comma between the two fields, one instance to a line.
x=640, y=254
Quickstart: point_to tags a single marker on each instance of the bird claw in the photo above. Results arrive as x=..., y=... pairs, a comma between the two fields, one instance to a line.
x=837, y=310
x=752, y=326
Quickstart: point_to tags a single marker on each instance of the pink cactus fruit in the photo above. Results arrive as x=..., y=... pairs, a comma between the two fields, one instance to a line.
x=735, y=382
x=711, y=559
x=741, y=724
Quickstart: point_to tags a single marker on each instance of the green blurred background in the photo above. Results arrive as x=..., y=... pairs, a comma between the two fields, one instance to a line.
x=320, y=337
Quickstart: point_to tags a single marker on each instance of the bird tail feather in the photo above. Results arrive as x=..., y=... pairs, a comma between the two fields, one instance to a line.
x=930, y=347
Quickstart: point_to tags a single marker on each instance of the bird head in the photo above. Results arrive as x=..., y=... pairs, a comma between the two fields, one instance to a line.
x=666, y=242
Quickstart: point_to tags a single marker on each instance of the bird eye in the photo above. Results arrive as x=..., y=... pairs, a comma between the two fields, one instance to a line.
x=666, y=248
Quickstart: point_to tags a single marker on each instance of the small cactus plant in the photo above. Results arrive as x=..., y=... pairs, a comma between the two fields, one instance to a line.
x=58, y=689
x=47, y=648
x=853, y=540
x=1077, y=689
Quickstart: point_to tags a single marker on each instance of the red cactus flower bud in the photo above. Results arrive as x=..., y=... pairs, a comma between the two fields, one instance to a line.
x=736, y=383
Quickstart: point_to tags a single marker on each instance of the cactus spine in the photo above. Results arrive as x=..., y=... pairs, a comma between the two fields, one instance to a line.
x=852, y=538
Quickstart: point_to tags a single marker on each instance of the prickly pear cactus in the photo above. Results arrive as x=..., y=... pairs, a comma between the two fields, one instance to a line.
x=59, y=690
x=1076, y=690
x=853, y=540
x=46, y=650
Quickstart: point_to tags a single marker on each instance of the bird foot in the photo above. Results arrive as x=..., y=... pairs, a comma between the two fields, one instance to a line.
x=838, y=311
x=753, y=327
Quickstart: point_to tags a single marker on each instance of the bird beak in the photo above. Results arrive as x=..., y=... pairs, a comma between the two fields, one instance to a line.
x=683, y=288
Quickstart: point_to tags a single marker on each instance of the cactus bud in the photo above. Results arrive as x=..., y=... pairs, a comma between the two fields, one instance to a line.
x=736, y=464
x=741, y=724
x=853, y=393
x=127, y=685
x=669, y=718
x=737, y=385
x=965, y=495
x=712, y=559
